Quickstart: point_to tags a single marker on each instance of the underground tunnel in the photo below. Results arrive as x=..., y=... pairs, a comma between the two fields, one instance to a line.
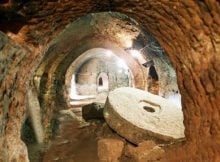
x=109, y=80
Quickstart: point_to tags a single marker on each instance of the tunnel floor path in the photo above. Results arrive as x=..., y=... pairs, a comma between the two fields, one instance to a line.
x=75, y=139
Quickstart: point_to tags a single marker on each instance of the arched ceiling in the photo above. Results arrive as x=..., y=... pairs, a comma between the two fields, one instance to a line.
x=188, y=31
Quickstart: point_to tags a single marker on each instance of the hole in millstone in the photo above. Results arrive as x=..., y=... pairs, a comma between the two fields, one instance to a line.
x=149, y=106
x=149, y=109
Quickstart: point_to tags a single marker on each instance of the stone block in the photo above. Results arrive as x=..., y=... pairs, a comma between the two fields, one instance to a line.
x=93, y=111
x=146, y=151
x=110, y=149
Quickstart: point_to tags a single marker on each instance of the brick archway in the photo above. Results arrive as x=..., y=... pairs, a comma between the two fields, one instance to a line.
x=187, y=30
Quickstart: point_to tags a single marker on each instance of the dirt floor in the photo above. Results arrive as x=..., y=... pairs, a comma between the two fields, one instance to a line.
x=75, y=142
x=75, y=139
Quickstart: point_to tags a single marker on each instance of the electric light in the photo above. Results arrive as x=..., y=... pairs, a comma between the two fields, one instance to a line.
x=121, y=64
x=109, y=53
x=120, y=71
x=134, y=53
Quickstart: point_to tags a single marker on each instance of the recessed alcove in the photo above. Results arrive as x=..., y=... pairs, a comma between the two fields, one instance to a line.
x=38, y=55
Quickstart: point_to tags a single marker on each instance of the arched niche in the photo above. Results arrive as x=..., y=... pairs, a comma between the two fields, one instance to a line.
x=153, y=80
x=102, y=82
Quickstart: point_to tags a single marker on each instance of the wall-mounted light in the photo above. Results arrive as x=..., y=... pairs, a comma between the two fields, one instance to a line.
x=120, y=71
x=121, y=64
x=135, y=53
x=109, y=53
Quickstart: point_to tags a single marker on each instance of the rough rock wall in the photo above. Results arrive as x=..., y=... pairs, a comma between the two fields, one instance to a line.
x=190, y=34
x=87, y=75
x=167, y=78
x=13, y=84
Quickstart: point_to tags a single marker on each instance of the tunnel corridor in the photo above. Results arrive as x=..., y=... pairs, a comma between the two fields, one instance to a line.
x=58, y=57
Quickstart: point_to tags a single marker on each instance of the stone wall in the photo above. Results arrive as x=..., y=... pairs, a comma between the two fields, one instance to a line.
x=87, y=75
x=188, y=31
x=13, y=86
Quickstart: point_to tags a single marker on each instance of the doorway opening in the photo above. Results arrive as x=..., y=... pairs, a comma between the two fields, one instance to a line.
x=100, y=82
x=153, y=80
x=103, y=82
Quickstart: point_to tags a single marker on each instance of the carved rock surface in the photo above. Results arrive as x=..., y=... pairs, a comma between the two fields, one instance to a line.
x=138, y=115
x=187, y=30
x=146, y=151
x=13, y=83
x=110, y=150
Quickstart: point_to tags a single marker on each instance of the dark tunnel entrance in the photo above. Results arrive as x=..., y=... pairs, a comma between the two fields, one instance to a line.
x=153, y=81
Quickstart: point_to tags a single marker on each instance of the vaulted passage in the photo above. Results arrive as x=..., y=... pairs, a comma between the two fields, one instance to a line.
x=95, y=71
x=95, y=63
x=61, y=62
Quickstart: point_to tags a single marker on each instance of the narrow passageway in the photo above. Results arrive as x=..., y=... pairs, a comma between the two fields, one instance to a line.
x=73, y=142
x=76, y=139
x=109, y=81
x=83, y=93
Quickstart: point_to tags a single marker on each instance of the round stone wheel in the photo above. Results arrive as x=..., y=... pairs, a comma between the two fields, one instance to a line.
x=138, y=115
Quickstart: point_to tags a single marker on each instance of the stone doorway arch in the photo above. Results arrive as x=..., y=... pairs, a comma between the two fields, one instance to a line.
x=102, y=82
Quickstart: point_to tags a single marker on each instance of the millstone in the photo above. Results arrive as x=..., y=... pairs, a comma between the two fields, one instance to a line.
x=138, y=115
